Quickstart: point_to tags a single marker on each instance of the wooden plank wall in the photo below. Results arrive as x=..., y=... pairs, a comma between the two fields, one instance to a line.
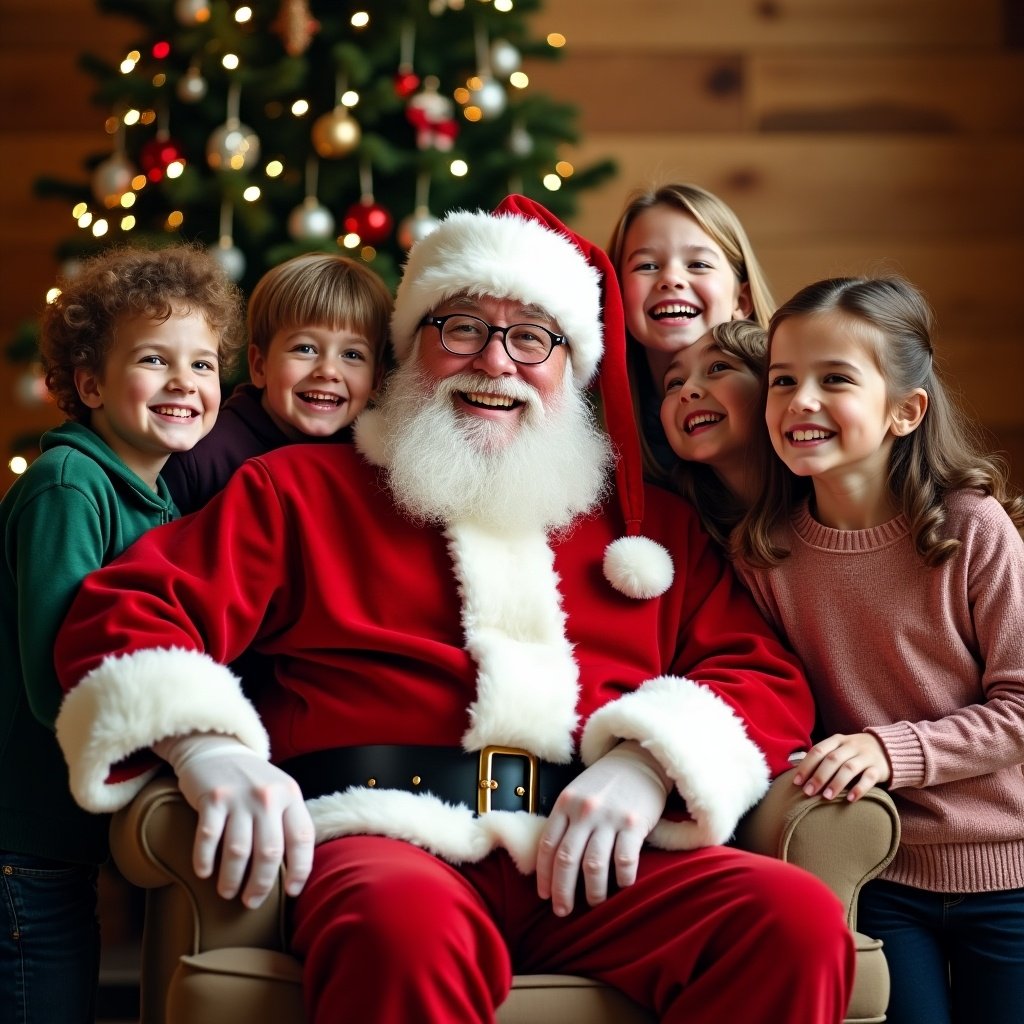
x=850, y=136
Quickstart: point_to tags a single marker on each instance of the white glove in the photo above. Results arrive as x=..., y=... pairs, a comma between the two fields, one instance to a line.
x=607, y=811
x=254, y=807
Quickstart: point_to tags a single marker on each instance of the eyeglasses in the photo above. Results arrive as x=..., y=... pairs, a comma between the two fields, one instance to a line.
x=464, y=335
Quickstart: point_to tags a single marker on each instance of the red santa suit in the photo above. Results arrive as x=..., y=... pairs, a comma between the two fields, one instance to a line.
x=385, y=631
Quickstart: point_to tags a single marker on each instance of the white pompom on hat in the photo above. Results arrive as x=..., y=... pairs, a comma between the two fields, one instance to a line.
x=522, y=251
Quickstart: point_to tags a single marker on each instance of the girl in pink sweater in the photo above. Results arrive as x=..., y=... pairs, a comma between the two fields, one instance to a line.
x=885, y=546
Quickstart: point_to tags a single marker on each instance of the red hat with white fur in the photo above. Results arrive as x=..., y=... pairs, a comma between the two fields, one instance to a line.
x=522, y=251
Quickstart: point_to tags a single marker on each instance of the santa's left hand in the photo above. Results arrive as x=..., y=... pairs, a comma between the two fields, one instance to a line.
x=602, y=817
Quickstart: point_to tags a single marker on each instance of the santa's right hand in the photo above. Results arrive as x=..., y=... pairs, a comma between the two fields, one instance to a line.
x=250, y=809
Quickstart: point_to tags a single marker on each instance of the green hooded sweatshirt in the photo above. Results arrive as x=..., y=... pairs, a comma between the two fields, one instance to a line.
x=76, y=508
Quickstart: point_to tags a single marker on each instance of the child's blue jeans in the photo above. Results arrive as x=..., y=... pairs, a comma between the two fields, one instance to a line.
x=954, y=958
x=50, y=941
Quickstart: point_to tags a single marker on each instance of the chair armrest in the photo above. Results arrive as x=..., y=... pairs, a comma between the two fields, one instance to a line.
x=151, y=842
x=844, y=844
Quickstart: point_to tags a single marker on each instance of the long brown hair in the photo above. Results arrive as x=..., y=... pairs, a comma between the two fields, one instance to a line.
x=945, y=452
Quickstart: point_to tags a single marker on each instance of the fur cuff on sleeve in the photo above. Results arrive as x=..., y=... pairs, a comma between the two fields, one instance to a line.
x=128, y=703
x=700, y=742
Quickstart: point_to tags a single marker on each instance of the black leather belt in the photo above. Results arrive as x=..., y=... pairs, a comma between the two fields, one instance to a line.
x=495, y=779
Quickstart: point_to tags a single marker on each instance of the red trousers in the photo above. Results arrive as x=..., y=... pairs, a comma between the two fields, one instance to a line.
x=390, y=934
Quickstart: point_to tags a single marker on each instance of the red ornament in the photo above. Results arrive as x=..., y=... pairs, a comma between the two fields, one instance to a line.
x=157, y=155
x=369, y=220
x=406, y=82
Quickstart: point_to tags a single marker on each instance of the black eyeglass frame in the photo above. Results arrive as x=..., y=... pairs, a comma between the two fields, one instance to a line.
x=440, y=321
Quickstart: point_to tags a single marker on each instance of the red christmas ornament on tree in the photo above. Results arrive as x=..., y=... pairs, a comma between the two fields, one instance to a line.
x=157, y=155
x=370, y=221
x=406, y=82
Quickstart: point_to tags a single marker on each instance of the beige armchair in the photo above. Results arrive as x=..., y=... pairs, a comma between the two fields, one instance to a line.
x=206, y=960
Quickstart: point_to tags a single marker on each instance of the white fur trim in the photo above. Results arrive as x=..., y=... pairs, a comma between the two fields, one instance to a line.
x=366, y=433
x=127, y=703
x=527, y=678
x=449, y=831
x=638, y=567
x=508, y=256
x=700, y=742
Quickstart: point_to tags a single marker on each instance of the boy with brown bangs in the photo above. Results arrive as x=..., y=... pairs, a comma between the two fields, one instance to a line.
x=318, y=325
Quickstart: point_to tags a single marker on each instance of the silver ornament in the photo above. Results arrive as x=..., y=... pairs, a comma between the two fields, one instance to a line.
x=505, y=58
x=310, y=220
x=232, y=147
x=416, y=227
x=520, y=141
x=490, y=98
x=230, y=257
x=112, y=179
x=191, y=86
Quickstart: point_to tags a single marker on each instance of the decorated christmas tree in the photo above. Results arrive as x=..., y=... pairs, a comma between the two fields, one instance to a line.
x=276, y=128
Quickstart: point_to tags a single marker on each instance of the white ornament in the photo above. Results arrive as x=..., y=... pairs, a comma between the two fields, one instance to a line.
x=490, y=98
x=420, y=223
x=505, y=58
x=310, y=220
x=232, y=147
x=230, y=257
x=520, y=141
x=191, y=86
x=112, y=179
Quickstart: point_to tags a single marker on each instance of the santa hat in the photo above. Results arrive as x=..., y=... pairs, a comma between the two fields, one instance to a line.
x=522, y=251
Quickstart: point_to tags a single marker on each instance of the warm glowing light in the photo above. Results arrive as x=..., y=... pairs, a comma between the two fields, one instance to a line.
x=147, y=117
x=230, y=61
x=127, y=66
x=243, y=14
x=175, y=219
x=519, y=79
x=128, y=200
x=565, y=169
x=476, y=82
x=159, y=79
x=79, y=209
x=473, y=114
x=459, y=168
x=351, y=240
x=552, y=182
x=300, y=108
x=368, y=253
x=349, y=98
x=111, y=125
x=503, y=5
x=128, y=222
x=275, y=168
x=100, y=228
x=131, y=116
x=175, y=169
x=251, y=194
x=360, y=19
x=139, y=182
x=51, y=295
x=85, y=220
x=18, y=465
x=556, y=39
x=161, y=49
x=461, y=95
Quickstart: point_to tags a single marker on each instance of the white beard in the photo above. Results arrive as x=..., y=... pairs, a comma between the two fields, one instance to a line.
x=539, y=471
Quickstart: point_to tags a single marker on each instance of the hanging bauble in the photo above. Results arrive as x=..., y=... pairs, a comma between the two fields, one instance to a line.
x=191, y=12
x=112, y=179
x=370, y=221
x=490, y=98
x=336, y=133
x=157, y=155
x=310, y=221
x=191, y=86
x=296, y=26
x=232, y=147
x=420, y=223
x=230, y=257
x=520, y=141
x=433, y=117
x=406, y=82
x=505, y=58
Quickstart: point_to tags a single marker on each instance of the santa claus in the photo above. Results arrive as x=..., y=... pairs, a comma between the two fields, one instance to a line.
x=524, y=699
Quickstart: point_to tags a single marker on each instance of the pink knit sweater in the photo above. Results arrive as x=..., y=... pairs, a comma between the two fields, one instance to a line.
x=931, y=662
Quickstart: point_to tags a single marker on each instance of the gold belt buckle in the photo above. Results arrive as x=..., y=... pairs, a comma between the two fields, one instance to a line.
x=486, y=785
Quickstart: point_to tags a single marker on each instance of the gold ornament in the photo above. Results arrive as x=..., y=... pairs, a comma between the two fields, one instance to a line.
x=296, y=26
x=336, y=133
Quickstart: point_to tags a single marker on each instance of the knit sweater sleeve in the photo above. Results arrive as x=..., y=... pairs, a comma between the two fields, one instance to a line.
x=984, y=590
